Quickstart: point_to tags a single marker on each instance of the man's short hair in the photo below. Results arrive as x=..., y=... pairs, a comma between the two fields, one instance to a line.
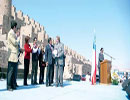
x=101, y=49
x=13, y=24
x=18, y=28
x=34, y=38
x=58, y=38
x=49, y=40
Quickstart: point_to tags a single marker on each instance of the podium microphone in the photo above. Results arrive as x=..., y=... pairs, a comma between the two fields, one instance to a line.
x=109, y=56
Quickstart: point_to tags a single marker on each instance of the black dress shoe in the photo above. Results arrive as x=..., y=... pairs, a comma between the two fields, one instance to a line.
x=61, y=85
x=14, y=88
x=56, y=85
x=52, y=82
x=10, y=89
x=40, y=82
x=50, y=85
x=25, y=84
x=36, y=83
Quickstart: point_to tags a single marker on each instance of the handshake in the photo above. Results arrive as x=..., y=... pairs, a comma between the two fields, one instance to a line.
x=55, y=53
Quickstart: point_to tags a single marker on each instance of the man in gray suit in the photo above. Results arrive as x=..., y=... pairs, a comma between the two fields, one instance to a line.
x=59, y=61
x=100, y=59
x=49, y=62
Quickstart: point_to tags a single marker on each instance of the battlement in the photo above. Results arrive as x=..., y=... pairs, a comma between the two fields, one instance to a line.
x=42, y=28
x=5, y=7
x=20, y=15
x=13, y=12
x=41, y=36
x=32, y=21
x=26, y=19
x=33, y=28
x=30, y=27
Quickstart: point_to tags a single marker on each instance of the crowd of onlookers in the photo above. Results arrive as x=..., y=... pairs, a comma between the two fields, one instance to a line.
x=46, y=55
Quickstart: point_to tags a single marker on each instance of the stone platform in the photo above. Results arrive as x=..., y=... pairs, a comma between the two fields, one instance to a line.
x=71, y=91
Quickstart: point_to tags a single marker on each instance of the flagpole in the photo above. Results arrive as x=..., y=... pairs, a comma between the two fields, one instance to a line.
x=93, y=70
x=95, y=56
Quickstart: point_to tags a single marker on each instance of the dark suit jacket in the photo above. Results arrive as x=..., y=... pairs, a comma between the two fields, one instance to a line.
x=64, y=61
x=48, y=54
x=41, y=62
x=101, y=58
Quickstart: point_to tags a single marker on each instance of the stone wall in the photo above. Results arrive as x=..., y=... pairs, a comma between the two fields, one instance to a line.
x=74, y=63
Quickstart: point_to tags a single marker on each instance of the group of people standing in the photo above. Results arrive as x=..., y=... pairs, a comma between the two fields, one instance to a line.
x=48, y=56
x=54, y=55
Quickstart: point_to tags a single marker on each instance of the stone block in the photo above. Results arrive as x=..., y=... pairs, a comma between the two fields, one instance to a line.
x=41, y=36
x=20, y=15
x=27, y=19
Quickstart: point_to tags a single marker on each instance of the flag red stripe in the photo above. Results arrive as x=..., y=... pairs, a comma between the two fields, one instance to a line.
x=94, y=74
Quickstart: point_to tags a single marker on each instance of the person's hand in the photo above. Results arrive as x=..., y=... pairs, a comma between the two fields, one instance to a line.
x=46, y=63
x=17, y=34
x=29, y=46
x=38, y=46
x=18, y=39
x=22, y=50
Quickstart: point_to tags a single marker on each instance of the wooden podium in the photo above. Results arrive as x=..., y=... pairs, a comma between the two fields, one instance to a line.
x=105, y=72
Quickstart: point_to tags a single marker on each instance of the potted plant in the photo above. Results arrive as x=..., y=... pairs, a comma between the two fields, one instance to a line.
x=115, y=78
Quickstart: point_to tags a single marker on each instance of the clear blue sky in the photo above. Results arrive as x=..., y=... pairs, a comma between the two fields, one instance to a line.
x=75, y=20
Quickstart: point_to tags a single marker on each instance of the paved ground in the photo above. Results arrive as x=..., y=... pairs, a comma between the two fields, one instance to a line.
x=71, y=91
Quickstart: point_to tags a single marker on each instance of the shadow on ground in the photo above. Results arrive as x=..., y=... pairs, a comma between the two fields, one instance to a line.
x=22, y=88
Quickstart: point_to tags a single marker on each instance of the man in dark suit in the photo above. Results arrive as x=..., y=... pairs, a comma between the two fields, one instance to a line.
x=100, y=59
x=49, y=62
x=64, y=61
x=35, y=56
x=52, y=77
x=42, y=65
